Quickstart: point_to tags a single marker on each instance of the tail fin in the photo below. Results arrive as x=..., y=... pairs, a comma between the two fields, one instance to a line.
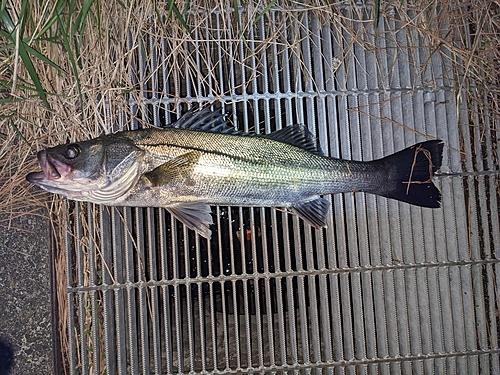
x=412, y=171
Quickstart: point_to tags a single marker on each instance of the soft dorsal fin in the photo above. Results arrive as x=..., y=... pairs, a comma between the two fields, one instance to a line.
x=297, y=135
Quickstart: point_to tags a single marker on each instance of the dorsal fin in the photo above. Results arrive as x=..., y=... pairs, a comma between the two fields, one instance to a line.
x=215, y=121
x=297, y=135
x=204, y=120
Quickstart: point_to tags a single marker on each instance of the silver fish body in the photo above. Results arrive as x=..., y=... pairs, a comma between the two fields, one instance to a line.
x=198, y=162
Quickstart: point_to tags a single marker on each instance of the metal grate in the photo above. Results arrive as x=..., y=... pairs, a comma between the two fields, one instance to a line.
x=386, y=288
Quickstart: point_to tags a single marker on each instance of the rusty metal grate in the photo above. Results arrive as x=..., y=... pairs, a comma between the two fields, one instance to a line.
x=386, y=288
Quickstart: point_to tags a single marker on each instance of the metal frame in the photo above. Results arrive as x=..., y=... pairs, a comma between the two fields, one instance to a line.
x=386, y=288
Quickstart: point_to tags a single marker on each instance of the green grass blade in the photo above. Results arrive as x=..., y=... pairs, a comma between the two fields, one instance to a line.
x=18, y=132
x=237, y=14
x=185, y=9
x=79, y=24
x=23, y=16
x=58, y=9
x=71, y=56
x=31, y=50
x=7, y=21
x=173, y=9
x=23, y=53
x=98, y=18
x=30, y=67
x=44, y=58
x=10, y=99
x=266, y=9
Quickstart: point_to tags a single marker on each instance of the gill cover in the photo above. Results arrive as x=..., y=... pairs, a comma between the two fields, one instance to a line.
x=120, y=179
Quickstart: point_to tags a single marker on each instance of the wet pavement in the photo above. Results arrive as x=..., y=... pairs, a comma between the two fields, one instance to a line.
x=25, y=294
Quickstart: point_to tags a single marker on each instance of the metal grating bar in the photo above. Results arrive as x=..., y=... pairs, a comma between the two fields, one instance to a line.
x=386, y=288
x=71, y=307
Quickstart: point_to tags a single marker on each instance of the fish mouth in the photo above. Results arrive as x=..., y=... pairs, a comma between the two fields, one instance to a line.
x=52, y=169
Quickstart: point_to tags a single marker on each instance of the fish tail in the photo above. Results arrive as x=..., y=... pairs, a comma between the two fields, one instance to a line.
x=412, y=172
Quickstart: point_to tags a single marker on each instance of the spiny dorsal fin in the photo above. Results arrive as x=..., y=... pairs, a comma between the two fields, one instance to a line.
x=297, y=135
x=204, y=120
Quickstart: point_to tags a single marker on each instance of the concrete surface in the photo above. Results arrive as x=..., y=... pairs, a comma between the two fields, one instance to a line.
x=25, y=294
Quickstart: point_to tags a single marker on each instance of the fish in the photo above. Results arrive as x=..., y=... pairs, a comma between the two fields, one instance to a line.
x=201, y=161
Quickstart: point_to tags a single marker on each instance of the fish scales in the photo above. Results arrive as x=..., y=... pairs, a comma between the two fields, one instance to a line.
x=247, y=170
x=198, y=161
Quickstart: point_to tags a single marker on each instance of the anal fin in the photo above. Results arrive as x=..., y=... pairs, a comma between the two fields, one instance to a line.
x=313, y=211
x=195, y=215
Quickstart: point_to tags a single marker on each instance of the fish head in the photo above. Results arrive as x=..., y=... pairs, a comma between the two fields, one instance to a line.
x=100, y=170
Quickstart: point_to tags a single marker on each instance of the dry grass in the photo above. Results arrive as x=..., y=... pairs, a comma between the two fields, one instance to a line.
x=88, y=100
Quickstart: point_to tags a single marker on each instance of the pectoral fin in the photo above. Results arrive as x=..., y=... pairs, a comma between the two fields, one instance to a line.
x=195, y=215
x=171, y=170
x=313, y=212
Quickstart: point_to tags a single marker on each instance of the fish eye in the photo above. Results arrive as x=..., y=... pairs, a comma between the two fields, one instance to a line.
x=72, y=151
